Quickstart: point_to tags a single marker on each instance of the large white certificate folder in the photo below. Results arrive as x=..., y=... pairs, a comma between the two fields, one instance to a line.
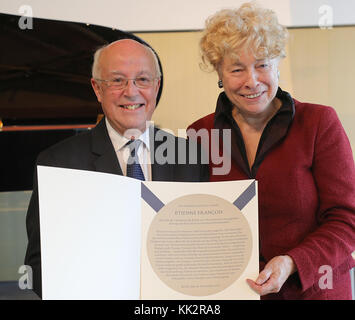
x=107, y=236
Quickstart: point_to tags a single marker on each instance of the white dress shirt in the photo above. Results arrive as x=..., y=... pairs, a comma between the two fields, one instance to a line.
x=122, y=151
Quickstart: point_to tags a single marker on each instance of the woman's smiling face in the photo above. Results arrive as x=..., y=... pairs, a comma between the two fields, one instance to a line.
x=250, y=84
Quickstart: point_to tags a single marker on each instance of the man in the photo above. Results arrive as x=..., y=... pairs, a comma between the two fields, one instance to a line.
x=126, y=80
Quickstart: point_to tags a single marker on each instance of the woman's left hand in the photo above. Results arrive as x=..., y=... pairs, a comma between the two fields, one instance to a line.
x=274, y=275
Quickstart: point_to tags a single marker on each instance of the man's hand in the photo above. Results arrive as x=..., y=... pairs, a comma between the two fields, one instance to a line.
x=274, y=275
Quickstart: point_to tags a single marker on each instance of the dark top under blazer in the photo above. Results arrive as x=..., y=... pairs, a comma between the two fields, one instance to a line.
x=94, y=151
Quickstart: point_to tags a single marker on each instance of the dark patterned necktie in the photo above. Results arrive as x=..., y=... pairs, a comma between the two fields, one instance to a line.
x=134, y=169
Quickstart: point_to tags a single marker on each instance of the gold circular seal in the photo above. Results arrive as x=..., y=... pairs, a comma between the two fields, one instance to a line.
x=199, y=244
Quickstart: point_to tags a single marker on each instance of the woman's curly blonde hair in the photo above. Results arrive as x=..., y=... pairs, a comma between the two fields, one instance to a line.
x=249, y=27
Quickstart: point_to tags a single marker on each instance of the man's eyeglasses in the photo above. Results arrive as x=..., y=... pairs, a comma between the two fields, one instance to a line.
x=121, y=82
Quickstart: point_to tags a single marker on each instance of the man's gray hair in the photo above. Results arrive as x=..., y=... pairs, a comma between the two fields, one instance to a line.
x=96, y=67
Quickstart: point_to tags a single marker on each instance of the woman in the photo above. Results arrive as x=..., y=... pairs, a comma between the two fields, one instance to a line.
x=298, y=152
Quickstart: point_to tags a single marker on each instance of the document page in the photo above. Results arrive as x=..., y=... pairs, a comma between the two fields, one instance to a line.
x=200, y=241
x=107, y=236
x=90, y=234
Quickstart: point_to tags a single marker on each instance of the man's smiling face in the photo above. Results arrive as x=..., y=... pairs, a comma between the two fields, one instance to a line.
x=129, y=107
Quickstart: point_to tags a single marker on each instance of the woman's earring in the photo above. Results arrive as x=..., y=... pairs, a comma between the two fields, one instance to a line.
x=220, y=84
x=278, y=74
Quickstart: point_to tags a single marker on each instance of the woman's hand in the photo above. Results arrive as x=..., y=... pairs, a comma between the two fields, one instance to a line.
x=274, y=275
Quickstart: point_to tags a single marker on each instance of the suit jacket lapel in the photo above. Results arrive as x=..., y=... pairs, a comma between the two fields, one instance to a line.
x=106, y=158
x=160, y=172
x=102, y=147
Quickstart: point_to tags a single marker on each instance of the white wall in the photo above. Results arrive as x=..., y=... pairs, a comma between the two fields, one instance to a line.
x=164, y=15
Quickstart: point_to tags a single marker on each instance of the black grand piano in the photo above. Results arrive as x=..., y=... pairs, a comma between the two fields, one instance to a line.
x=45, y=91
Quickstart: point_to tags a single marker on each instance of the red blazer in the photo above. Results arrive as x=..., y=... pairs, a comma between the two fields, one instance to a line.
x=306, y=203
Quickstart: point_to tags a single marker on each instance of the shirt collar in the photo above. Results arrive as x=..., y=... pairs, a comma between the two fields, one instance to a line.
x=119, y=141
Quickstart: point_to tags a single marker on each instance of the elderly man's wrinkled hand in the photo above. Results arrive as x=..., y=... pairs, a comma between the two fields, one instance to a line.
x=274, y=275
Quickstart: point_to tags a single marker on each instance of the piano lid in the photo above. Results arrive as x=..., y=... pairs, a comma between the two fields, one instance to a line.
x=45, y=71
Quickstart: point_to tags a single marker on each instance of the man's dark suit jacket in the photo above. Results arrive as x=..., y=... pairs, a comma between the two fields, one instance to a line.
x=94, y=151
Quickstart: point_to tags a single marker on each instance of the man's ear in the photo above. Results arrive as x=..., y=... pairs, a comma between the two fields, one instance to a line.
x=157, y=88
x=96, y=88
